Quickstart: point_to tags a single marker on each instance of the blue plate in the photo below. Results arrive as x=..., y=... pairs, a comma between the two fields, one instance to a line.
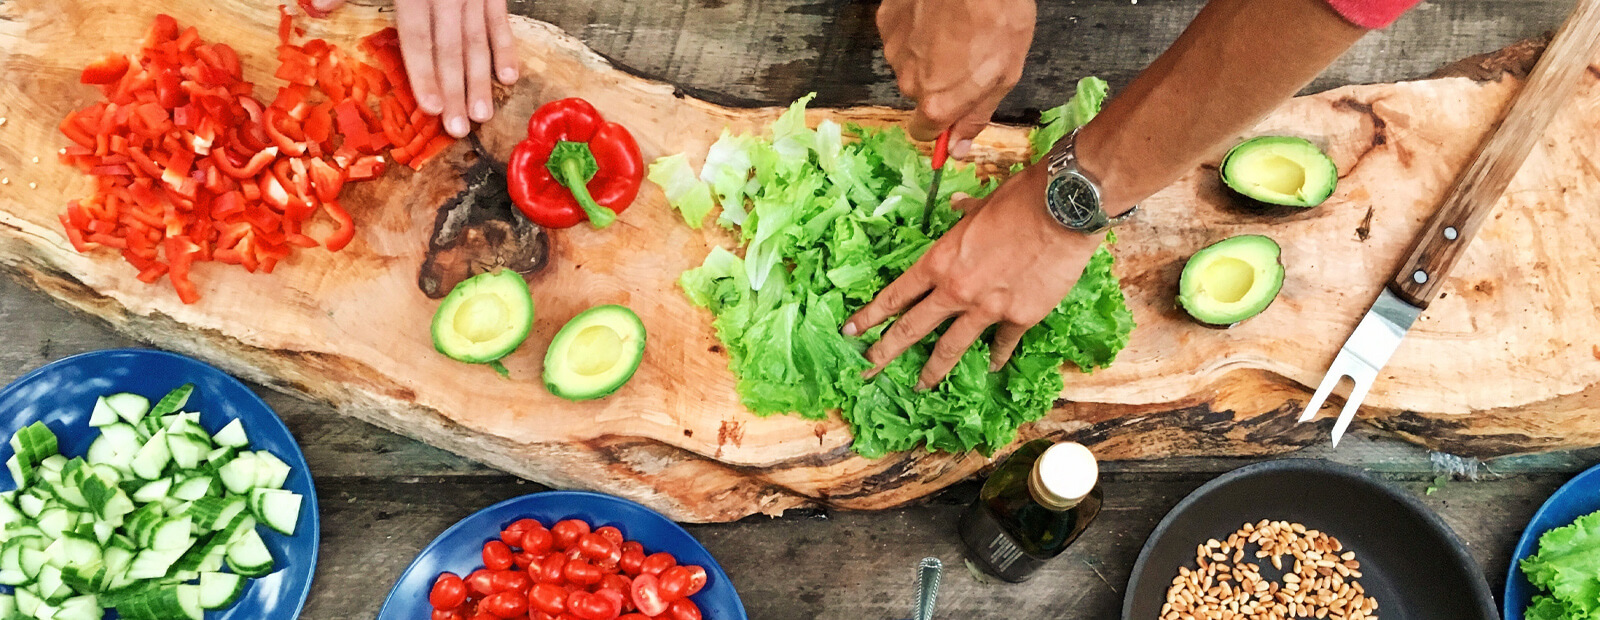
x=1576, y=498
x=63, y=393
x=460, y=548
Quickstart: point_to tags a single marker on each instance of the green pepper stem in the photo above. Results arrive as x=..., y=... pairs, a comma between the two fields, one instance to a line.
x=573, y=177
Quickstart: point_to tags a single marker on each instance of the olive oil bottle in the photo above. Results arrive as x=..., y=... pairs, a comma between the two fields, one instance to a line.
x=1037, y=502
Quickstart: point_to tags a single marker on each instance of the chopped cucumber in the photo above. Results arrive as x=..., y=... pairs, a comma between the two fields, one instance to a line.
x=103, y=415
x=280, y=510
x=219, y=590
x=130, y=407
x=249, y=556
x=174, y=400
x=232, y=435
x=145, y=522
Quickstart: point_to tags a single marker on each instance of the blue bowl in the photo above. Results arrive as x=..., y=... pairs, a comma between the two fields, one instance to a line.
x=460, y=549
x=1576, y=498
x=62, y=395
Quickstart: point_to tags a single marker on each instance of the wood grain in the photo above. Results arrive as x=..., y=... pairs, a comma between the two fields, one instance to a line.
x=346, y=329
x=1443, y=241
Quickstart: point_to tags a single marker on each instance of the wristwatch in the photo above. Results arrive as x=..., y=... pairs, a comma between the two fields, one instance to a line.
x=1072, y=196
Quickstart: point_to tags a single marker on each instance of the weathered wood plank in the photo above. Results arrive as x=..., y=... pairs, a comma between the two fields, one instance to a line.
x=771, y=52
x=854, y=564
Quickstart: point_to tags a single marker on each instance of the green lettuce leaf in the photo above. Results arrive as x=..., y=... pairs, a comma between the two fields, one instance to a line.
x=686, y=193
x=1568, y=567
x=829, y=217
x=1055, y=123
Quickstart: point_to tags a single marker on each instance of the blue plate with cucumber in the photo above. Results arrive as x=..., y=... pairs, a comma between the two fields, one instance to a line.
x=152, y=486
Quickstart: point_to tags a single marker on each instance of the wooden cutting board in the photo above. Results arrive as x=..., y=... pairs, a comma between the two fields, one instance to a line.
x=1508, y=361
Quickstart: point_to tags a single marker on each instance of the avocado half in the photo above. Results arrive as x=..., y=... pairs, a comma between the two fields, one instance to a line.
x=1278, y=175
x=1231, y=280
x=594, y=353
x=484, y=318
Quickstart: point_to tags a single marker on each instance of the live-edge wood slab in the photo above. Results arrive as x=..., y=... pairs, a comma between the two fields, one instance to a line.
x=1499, y=365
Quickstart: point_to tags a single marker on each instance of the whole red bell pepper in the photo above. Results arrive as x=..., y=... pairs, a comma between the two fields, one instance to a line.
x=574, y=164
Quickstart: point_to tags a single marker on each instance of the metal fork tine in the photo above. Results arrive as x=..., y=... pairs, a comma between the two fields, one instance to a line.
x=1357, y=394
x=1335, y=373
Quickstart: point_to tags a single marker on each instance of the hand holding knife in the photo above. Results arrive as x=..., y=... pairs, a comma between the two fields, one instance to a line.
x=941, y=151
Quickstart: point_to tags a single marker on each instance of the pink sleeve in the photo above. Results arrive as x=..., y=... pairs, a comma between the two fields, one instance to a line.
x=1372, y=14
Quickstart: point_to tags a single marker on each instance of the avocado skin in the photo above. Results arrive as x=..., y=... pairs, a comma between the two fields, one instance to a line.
x=552, y=360
x=1221, y=247
x=1242, y=203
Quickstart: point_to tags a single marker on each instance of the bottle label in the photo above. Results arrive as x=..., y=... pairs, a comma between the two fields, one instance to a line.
x=994, y=550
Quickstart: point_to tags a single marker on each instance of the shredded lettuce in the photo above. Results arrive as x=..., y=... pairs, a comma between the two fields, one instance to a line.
x=1056, y=123
x=1567, y=569
x=686, y=193
x=828, y=217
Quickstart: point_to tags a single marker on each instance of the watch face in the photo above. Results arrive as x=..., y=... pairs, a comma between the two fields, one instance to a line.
x=1073, y=201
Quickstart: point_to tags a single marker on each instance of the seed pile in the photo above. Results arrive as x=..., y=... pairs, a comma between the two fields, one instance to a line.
x=1319, y=579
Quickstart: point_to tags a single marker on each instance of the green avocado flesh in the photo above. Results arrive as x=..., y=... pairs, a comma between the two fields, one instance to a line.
x=594, y=353
x=484, y=318
x=1278, y=170
x=1231, y=280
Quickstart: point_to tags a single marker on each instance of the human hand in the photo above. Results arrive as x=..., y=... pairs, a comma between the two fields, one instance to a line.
x=449, y=48
x=957, y=59
x=1007, y=263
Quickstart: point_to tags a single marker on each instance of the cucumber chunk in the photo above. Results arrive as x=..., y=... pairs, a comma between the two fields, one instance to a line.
x=232, y=435
x=130, y=407
x=249, y=556
x=280, y=510
x=220, y=590
x=174, y=400
x=102, y=415
x=153, y=457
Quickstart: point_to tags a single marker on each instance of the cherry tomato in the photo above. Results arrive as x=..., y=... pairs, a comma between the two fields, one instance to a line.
x=610, y=533
x=634, y=616
x=621, y=584
x=615, y=600
x=506, y=604
x=497, y=555
x=630, y=561
x=657, y=562
x=681, y=581
x=594, y=546
x=537, y=541
x=484, y=616
x=481, y=581
x=581, y=572
x=512, y=535
x=539, y=615
x=449, y=592
x=521, y=561
x=447, y=614
x=632, y=544
x=683, y=609
x=602, y=605
x=567, y=533
x=511, y=580
x=647, y=595
x=548, y=598
x=550, y=570
x=697, y=580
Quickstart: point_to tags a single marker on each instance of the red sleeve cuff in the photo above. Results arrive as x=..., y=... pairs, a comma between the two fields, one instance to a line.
x=1372, y=14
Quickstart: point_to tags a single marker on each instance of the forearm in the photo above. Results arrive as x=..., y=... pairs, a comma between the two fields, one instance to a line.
x=1236, y=62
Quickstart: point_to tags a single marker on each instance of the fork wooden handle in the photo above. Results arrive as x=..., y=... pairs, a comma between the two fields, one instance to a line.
x=1464, y=209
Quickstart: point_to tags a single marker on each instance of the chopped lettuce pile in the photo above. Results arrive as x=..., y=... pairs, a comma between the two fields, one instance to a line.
x=828, y=217
x=1567, y=569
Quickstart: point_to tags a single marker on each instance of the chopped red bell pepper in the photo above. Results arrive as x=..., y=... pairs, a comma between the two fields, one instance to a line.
x=574, y=164
x=106, y=70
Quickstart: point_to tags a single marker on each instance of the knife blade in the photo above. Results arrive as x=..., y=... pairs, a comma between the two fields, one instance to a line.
x=940, y=153
x=1443, y=241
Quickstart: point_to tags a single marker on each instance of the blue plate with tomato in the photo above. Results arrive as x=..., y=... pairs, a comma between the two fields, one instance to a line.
x=62, y=394
x=1576, y=498
x=460, y=549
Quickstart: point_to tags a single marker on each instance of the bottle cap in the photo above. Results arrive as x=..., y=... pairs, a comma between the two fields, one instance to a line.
x=1064, y=475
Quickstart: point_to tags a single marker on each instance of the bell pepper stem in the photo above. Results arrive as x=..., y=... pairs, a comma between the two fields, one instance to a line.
x=574, y=172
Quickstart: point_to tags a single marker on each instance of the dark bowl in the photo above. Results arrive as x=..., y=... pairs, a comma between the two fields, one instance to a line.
x=1410, y=560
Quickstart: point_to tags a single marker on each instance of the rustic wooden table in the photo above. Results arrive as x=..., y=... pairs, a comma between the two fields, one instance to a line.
x=384, y=496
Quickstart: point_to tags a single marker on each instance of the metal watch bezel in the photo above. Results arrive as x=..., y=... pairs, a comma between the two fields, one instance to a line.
x=1063, y=170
